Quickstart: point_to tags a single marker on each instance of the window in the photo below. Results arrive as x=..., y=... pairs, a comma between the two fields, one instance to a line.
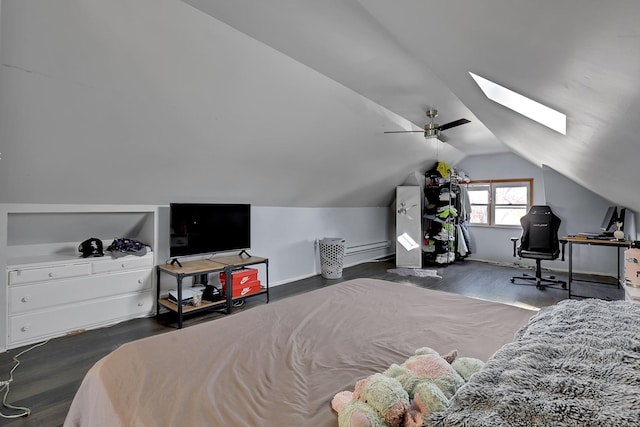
x=500, y=202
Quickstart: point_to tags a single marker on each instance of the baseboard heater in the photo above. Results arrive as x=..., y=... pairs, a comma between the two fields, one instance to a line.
x=366, y=247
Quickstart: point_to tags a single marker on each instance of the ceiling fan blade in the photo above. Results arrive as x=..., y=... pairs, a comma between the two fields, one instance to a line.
x=453, y=124
x=442, y=138
x=404, y=131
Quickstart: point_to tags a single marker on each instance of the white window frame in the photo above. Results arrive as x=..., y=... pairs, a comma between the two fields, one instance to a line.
x=491, y=206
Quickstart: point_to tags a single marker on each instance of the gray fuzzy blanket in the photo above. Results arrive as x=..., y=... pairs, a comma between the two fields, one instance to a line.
x=574, y=364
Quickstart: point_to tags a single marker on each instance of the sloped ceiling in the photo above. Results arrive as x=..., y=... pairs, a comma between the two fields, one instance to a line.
x=284, y=102
x=579, y=57
x=153, y=101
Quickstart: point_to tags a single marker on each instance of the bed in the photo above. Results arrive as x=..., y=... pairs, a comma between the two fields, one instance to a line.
x=574, y=364
x=281, y=363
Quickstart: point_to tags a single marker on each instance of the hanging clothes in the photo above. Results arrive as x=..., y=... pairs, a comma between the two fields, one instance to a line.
x=465, y=203
x=466, y=235
x=461, y=248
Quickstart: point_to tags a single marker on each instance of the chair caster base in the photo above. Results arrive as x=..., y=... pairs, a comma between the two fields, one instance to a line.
x=541, y=283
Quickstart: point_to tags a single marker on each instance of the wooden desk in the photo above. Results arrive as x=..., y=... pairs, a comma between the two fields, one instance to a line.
x=580, y=240
x=204, y=267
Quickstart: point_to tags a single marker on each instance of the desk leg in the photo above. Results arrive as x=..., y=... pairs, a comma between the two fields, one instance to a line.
x=267, y=264
x=570, y=267
x=179, y=280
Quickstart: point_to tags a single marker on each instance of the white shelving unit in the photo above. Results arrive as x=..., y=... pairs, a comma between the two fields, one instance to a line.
x=50, y=291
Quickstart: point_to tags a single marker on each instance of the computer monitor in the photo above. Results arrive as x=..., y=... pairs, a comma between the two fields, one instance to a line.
x=610, y=218
x=621, y=215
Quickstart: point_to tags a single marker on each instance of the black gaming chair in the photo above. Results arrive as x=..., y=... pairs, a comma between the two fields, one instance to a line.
x=539, y=241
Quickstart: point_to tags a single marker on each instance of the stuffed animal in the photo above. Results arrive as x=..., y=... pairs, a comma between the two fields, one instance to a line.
x=426, y=365
x=467, y=366
x=439, y=378
x=430, y=381
x=377, y=400
x=428, y=398
x=385, y=395
x=355, y=413
x=404, y=394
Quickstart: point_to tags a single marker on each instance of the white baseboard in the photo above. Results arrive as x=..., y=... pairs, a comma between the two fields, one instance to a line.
x=345, y=265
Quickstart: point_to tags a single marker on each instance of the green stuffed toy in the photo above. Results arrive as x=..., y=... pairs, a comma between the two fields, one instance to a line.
x=385, y=395
x=467, y=366
x=430, y=381
x=427, y=365
x=404, y=394
x=377, y=400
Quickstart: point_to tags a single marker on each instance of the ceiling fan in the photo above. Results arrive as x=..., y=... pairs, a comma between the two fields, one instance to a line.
x=434, y=130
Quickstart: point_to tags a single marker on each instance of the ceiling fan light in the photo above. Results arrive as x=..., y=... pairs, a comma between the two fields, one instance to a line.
x=431, y=133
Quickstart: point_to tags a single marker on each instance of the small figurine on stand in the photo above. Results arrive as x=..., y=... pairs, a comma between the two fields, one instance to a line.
x=618, y=234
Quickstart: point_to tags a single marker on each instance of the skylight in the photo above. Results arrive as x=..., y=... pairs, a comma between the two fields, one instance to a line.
x=523, y=105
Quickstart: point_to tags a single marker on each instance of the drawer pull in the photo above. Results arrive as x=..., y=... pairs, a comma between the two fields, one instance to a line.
x=26, y=327
x=140, y=304
x=140, y=281
x=26, y=298
x=51, y=274
x=123, y=265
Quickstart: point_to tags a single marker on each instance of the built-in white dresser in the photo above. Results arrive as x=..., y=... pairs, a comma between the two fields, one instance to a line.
x=52, y=299
x=50, y=290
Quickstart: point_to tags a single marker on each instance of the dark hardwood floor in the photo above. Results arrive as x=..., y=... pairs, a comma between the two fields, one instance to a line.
x=49, y=376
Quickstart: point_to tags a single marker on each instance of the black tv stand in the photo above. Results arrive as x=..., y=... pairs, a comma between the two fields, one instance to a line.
x=244, y=251
x=175, y=261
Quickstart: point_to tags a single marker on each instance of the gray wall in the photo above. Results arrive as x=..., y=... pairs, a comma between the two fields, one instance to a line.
x=288, y=236
x=151, y=102
x=580, y=210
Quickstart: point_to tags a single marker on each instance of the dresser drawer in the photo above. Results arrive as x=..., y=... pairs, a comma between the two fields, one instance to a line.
x=31, y=327
x=29, y=275
x=69, y=291
x=120, y=264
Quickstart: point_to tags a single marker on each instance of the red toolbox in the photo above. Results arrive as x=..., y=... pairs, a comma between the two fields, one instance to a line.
x=244, y=282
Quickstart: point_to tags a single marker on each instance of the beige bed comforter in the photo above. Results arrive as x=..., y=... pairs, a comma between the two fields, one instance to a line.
x=280, y=364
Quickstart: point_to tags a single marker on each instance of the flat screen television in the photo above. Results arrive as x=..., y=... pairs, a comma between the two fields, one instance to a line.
x=204, y=228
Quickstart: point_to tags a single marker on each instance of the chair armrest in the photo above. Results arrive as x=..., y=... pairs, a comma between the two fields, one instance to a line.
x=514, y=240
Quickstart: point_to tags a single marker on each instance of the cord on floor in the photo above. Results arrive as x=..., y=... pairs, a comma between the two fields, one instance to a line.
x=5, y=385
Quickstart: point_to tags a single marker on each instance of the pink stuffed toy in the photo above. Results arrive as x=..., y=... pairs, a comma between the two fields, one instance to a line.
x=354, y=413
